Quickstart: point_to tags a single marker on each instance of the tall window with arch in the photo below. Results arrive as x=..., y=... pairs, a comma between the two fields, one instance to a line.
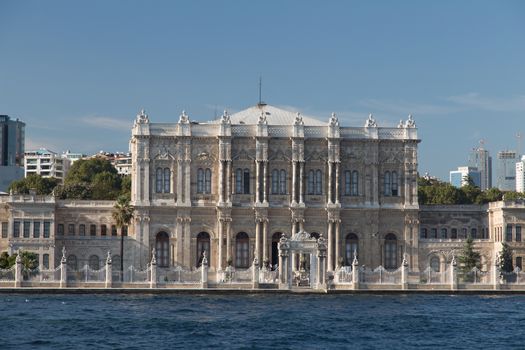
x=351, y=248
x=391, y=184
x=203, y=245
x=351, y=183
x=242, y=181
x=163, y=180
x=279, y=181
x=390, y=251
x=242, y=250
x=204, y=181
x=315, y=182
x=94, y=262
x=162, y=249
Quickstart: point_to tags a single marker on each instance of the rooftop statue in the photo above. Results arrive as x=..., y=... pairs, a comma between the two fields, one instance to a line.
x=410, y=122
x=184, y=118
x=298, y=119
x=333, y=120
x=370, y=122
x=225, y=118
x=142, y=117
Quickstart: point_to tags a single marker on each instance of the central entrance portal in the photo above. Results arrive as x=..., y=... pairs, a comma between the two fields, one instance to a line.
x=302, y=261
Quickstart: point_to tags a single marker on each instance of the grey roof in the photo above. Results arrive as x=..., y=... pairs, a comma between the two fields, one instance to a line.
x=274, y=116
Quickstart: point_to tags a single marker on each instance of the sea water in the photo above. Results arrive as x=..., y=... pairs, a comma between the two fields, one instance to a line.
x=258, y=321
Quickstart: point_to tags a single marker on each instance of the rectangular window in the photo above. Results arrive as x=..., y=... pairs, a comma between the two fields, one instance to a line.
x=508, y=236
x=71, y=229
x=474, y=233
x=81, y=230
x=60, y=229
x=443, y=233
x=519, y=262
x=47, y=229
x=103, y=230
x=518, y=233
x=423, y=233
x=16, y=229
x=463, y=232
x=124, y=231
x=113, y=230
x=454, y=233
x=27, y=231
x=4, y=229
x=36, y=229
x=433, y=233
x=92, y=230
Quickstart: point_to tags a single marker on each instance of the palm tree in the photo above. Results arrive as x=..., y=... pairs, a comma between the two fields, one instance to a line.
x=122, y=214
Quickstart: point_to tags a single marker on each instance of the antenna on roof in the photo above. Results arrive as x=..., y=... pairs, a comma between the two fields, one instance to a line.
x=261, y=103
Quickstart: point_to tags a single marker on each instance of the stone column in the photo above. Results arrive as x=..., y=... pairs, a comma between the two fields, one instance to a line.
x=109, y=271
x=404, y=273
x=228, y=241
x=301, y=179
x=204, y=271
x=330, y=177
x=337, y=242
x=146, y=189
x=294, y=182
x=265, y=182
x=265, y=242
x=453, y=274
x=495, y=275
x=63, y=269
x=257, y=182
x=330, y=245
x=337, y=182
x=355, y=272
x=179, y=182
x=221, y=182
x=187, y=184
x=18, y=271
x=321, y=268
x=228, y=180
x=219, y=246
x=255, y=273
x=257, y=237
x=153, y=270
x=187, y=242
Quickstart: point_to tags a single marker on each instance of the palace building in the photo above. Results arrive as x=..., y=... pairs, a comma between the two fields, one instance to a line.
x=230, y=188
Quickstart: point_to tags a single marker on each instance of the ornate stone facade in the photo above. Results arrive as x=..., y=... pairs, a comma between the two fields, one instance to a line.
x=232, y=187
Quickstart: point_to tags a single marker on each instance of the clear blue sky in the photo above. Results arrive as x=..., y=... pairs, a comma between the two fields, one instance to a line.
x=78, y=72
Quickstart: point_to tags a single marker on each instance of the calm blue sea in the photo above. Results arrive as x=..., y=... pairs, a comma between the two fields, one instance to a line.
x=261, y=321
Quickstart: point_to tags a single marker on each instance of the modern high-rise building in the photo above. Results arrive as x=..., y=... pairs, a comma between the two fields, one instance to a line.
x=46, y=163
x=12, y=142
x=480, y=159
x=520, y=175
x=506, y=170
x=459, y=178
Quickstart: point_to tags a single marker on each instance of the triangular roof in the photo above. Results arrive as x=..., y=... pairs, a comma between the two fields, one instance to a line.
x=274, y=116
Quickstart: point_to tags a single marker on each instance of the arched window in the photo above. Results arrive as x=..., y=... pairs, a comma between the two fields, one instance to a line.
x=242, y=181
x=282, y=182
x=423, y=233
x=351, y=248
x=454, y=233
x=387, y=184
x=203, y=245
x=348, y=183
x=390, y=251
x=162, y=248
x=72, y=262
x=158, y=178
x=276, y=237
x=444, y=233
x=311, y=181
x=45, y=261
x=115, y=261
x=207, y=181
x=242, y=250
x=435, y=264
x=94, y=262
x=275, y=181
x=355, y=183
x=318, y=182
x=394, y=184
x=167, y=180
x=200, y=180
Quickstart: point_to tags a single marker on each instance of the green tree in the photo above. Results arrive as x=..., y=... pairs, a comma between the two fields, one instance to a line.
x=492, y=195
x=85, y=170
x=505, y=259
x=106, y=185
x=29, y=260
x=122, y=214
x=41, y=185
x=81, y=190
x=513, y=196
x=468, y=259
x=4, y=260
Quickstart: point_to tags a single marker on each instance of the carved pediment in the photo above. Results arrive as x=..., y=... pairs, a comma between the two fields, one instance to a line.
x=242, y=155
x=166, y=155
x=279, y=154
x=315, y=155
